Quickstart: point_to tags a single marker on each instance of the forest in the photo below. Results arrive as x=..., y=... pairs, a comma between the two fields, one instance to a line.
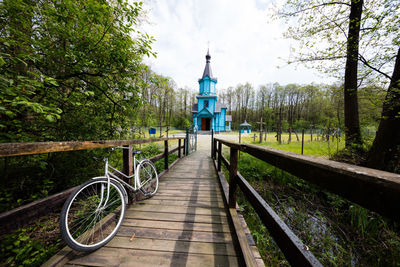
x=74, y=70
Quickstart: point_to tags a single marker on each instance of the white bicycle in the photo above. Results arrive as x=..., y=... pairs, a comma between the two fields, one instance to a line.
x=93, y=213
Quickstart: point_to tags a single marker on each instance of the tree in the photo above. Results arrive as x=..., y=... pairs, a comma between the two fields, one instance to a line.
x=76, y=75
x=351, y=119
x=352, y=31
x=385, y=151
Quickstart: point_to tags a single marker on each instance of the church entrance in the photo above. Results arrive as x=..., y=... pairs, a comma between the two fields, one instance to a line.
x=205, y=124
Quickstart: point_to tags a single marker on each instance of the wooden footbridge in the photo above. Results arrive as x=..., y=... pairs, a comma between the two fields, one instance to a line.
x=184, y=224
x=193, y=220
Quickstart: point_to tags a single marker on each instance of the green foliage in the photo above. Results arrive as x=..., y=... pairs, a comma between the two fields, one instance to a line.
x=21, y=249
x=181, y=122
x=69, y=69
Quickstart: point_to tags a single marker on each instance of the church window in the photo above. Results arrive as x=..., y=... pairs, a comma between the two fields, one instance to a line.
x=206, y=103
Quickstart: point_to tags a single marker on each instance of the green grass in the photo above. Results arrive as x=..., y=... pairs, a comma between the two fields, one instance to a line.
x=315, y=148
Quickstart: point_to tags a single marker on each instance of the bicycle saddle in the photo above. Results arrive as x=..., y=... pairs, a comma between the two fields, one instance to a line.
x=136, y=152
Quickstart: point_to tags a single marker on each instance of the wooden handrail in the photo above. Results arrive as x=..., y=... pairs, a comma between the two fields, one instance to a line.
x=17, y=217
x=295, y=251
x=19, y=149
x=376, y=190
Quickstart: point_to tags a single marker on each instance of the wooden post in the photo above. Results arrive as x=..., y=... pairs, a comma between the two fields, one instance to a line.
x=254, y=137
x=187, y=142
x=261, y=129
x=302, y=141
x=212, y=143
x=219, y=156
x=179, y=148
x=166, y=155
x=215, y=149
x=127, y=166
x=240, y=139
x=232, y=177
x=311, y=131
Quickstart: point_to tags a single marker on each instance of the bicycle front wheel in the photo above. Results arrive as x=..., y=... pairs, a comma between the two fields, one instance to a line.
x=148, y=178
x=88, y=220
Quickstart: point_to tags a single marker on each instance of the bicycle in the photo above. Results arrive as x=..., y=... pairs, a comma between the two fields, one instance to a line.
x=94, y=212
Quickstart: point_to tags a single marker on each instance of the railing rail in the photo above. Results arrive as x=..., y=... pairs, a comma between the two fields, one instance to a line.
x=18, y=149
x=376, y=190
x=20, y=216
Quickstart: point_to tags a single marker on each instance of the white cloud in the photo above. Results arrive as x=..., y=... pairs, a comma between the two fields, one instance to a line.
x=245, y=46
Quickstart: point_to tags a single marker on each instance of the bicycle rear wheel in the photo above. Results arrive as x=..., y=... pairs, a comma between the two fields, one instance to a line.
x=87, y=222
x=148, y=178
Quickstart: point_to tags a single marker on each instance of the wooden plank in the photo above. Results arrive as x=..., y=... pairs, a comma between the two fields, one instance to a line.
x=169, y=234
x=192, y=169
x=190, y=175
x=18, y=149
x=194, y=187
x=185, y=179
x=246, y=242
x=173, y=246
x=244, y=246
x=205, y=227
x=187, y=203
x=193, y=193
x=175, y=217
x=179, y=181
x=134, y=257
x=181, y=210
x=187, y=198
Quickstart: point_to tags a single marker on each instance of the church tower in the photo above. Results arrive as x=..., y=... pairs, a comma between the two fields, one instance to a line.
x=208, y=113
x=207, y=82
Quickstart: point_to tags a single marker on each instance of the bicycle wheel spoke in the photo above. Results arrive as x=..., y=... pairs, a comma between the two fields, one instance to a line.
x=148, y=178
x=89, y=222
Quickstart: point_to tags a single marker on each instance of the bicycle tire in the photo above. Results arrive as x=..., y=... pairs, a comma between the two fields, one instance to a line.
x=148, y=178
x=85, y=223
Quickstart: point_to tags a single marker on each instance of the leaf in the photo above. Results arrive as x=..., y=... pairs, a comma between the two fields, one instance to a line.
x=50, y=118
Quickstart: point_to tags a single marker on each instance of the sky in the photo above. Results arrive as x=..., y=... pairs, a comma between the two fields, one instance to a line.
x=245, y=44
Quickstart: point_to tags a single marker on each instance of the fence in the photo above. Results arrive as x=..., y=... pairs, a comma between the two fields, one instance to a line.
x=20, y=216
x=376, y=190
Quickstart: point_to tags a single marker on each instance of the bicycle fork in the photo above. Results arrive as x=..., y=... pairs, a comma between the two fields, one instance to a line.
x=102, y=206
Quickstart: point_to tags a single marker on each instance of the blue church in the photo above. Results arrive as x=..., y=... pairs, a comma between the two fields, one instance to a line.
x=208, y=113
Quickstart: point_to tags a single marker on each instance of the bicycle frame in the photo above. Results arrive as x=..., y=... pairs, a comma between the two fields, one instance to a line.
x=110, y=175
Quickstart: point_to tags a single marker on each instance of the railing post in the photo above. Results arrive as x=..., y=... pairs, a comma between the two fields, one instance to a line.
x=187, y=142
x=215, y=149
x=302, y=141
x=212, y=143
x=179, y=148
x=127, y=165
x=166, y=155
x=219, y=156
x=232, y=177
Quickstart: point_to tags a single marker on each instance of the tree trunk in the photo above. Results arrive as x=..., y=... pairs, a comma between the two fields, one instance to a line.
x=351, y=119
x=385, y=151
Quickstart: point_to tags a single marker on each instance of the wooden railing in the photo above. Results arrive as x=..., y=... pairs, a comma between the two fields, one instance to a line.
x=376, y=190
x=20, y=216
